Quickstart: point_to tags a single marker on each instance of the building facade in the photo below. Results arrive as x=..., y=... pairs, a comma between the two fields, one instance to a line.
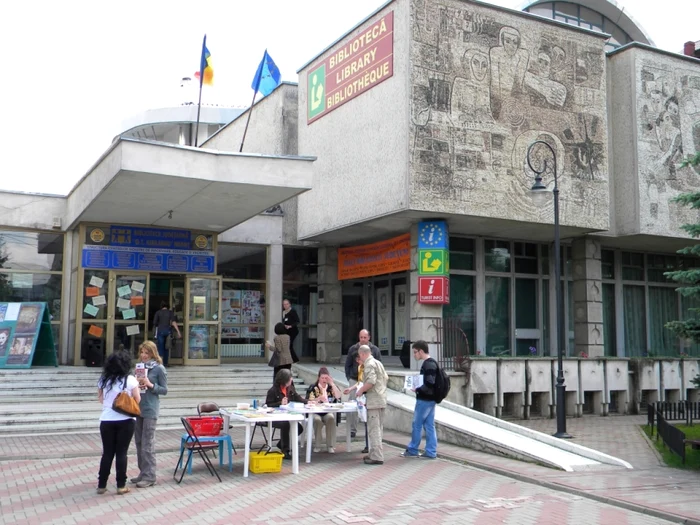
x=421, y=115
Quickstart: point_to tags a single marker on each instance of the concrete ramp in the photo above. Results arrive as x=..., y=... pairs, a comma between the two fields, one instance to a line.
x=465, y=427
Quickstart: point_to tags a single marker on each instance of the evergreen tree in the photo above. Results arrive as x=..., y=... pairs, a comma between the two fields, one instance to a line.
x=689, y=278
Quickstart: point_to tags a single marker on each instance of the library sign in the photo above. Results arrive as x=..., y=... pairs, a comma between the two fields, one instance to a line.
x=356, y=67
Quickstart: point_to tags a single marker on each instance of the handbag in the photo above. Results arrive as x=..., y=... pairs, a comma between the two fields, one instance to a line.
x=125, y=404
x=274, y=360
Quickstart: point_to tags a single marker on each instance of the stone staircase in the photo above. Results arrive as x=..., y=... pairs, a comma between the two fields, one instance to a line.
x=64, y=399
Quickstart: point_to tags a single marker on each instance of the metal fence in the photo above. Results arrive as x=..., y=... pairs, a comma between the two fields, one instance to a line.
x=453, y=345
x=673, y=437
x=674, y=411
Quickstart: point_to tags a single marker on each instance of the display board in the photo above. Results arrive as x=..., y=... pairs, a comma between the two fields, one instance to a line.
x=26, y=338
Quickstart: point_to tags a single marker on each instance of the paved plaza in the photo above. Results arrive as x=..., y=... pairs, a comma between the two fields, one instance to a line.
x=52, y=479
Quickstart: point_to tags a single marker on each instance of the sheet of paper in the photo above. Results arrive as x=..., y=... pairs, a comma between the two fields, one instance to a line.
x=96, y=281
x=123, y=303
x=12, y=311
x=137, y=286
x=132, y=329
x=137, y=301
x=129, y=314
x=413, y=382
x=99, y=300
x=92, y=291
x=95, y=331
x=124, y=290
x=199, y=299
x=91, y=310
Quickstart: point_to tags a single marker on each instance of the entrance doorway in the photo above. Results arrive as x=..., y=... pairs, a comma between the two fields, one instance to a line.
x=379, y=304
x=118, y=310
x=169, y=289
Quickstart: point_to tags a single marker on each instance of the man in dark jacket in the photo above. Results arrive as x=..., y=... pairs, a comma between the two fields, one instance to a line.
x=351, y=370
x=424, y=413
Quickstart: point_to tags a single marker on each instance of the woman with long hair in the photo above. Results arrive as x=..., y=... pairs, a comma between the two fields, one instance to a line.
x=280, y=346
x=153, y=385
x=282, y=393
x=116, y=429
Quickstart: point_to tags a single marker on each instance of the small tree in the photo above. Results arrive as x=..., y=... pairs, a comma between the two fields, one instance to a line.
x=689, y=278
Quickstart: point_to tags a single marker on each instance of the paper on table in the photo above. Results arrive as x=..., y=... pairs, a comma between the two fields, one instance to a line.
x=413, y=382
x=124, y=290
x=99, y=300
x=96, y=281
x=132, y=329
x=91, y=310
x=137, y=286
x=123, y=303
x=129, y=314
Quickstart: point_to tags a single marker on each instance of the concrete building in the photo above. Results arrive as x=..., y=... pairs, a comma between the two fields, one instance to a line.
x=410, y=130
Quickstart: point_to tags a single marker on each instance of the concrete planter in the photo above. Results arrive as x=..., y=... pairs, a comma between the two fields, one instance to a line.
x=511, y=388
x=671, y=386
x=690, y=369
x=573, y=388
x=539, y=391
x=617, y=385
x=483, y=386
x=592, y=378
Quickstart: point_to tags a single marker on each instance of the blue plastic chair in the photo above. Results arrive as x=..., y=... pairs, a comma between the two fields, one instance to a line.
x=223, y=439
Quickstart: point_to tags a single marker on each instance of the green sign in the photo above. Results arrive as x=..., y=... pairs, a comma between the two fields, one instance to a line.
x=317, y=92
x=433, y=262
x=26, y=338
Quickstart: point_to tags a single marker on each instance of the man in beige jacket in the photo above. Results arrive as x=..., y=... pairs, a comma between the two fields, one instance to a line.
x=373, y=386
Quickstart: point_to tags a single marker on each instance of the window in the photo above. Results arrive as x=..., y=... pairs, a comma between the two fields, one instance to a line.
x=460, y=316
x=635, y=320
x=607, y=261
x=632, y=266
x=525, y=257
x=609, y=326
x=242, y=261
x=461, y=253
x=497, y=254
x=497, y=316
x=300, y=274
x=663, y=307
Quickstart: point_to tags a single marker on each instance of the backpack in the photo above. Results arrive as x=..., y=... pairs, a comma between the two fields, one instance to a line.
x=442, y=384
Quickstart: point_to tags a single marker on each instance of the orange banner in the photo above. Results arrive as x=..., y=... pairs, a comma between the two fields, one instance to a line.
x=379, y=258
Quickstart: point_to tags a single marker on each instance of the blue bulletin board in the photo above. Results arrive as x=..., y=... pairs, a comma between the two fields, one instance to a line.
x=26, y=338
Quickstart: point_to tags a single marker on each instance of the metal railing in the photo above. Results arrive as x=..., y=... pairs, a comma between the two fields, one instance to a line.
x=453, y=343
x=674, y=411
x=673, y=437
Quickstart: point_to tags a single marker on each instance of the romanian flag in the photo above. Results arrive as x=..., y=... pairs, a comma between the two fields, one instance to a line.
x=206, y=71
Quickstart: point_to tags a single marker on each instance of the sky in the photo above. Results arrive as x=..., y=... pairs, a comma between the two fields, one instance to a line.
x=75, y=70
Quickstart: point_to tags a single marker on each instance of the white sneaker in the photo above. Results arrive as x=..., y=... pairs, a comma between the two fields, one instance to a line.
x=316, y=450
x=331, y=450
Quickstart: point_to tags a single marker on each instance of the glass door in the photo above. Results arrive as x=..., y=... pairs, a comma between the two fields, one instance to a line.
x=383, y=320
x=177, y=303
x=527, y=334
x=202, y=320
x=127, y=325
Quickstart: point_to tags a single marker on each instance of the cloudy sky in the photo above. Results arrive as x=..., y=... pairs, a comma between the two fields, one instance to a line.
x=75, y=70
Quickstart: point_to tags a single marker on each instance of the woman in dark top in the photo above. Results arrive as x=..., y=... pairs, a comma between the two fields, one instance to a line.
x=291, y=321
x=282, y=393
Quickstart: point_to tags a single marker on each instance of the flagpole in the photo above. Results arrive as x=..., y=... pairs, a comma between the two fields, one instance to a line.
x=250, y=112
x=199, y=107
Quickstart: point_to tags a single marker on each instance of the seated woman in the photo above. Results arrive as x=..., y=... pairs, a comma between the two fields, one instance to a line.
x=281, y=393
x=324, y=391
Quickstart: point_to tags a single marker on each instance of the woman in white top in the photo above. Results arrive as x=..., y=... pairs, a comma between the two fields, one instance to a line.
x=116, y=429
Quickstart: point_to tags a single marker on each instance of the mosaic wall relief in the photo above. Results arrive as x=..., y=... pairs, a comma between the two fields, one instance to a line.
x=668, y=116
x=485, y=85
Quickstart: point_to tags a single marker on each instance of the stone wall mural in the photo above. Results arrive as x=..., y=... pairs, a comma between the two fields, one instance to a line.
x=485, y=84
x=668, y=116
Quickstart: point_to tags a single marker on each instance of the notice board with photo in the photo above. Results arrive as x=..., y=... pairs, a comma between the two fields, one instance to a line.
x=26, y=338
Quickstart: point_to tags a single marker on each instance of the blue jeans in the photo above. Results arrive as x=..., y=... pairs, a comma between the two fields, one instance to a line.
x=423, y=418
x=162, y=350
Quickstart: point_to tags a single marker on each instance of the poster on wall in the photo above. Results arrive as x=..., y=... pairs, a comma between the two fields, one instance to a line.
x=242, y=307
x=383, y=319
x=400, y=293
x=26, y=338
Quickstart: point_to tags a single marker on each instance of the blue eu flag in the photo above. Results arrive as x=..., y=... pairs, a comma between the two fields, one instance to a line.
x=267, y=77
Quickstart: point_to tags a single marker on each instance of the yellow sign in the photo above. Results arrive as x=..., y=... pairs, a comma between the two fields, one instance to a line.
x=97, y=235
x=201, y=241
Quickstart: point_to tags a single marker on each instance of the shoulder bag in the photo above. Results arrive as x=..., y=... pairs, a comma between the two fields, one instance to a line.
x=125, y=404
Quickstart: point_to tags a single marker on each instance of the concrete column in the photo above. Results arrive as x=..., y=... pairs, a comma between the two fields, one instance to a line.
x=273, y=292
x=588, y=297
x=330, y=307
x=423, y=316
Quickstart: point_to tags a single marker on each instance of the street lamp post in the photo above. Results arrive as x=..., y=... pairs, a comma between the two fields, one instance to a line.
x=540, y=187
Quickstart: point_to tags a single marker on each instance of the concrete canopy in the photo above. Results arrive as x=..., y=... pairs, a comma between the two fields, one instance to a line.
x=158, y=184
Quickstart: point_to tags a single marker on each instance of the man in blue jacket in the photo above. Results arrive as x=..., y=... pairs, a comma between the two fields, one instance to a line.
x=424, y=413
